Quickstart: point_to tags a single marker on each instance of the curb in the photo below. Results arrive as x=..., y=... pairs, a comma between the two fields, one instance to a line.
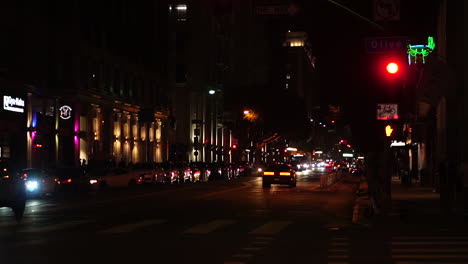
x=362, y=209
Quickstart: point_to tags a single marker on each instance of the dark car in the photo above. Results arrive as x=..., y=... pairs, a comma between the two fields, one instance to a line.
x=71, y=179
x=244, y=168
x=38, y=182
x=12, y=192
x=279, y=174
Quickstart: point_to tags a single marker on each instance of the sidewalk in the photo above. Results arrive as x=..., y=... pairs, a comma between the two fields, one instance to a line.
x=415, y=206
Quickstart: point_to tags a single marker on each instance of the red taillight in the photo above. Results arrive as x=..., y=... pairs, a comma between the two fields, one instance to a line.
x=268, y=173
x=67, y=181
x=25, y=175
x=140, y=180
x=285, y=174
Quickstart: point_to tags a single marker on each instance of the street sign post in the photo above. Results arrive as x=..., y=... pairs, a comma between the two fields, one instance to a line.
x=386, y=44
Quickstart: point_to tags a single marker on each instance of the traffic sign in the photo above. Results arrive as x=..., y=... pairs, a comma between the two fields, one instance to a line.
x=387, y=111
x=386, y=44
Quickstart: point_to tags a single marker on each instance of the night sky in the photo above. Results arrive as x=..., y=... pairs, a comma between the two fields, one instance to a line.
x=347, y=74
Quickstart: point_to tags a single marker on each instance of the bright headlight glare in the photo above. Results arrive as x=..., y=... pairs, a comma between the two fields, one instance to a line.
x=32, y=185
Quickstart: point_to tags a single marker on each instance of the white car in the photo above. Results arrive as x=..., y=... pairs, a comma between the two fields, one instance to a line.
x=113, y=178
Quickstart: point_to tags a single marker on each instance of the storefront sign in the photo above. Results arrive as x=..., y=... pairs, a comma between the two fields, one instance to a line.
x=65, y=112
x=14, y=104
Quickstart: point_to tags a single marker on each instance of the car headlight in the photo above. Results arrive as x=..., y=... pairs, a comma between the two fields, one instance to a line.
x=93, y=181
x=32, y=185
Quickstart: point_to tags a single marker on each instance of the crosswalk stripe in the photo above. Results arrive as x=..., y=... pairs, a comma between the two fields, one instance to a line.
x=429, y=250
x=427, y=243
x=341, y=250
x=208, y=227
x=272, y=227
x=56, y=227
x=431, y=237
x=131, y=227
x=431, y=256
x=437, y=249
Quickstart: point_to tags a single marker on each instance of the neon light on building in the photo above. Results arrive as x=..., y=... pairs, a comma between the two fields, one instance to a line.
x=421, y=50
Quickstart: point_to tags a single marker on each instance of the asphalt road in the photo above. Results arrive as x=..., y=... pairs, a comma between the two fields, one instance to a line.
x=217, y=222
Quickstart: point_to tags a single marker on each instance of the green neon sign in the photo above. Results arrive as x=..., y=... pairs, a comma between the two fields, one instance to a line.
x=422, y=50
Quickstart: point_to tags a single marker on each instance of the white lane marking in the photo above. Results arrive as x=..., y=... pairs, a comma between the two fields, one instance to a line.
x=272, y=227
x=252, y=249
x=340, y=238
x=208, y=227
x=339, y=243
x=56, y=227
x=242, y=256
x=14, y=223
x=338, y=256
x=31, y=243
x=264, y=238
x=131, y=227
x=244, y=186
x=261, y=243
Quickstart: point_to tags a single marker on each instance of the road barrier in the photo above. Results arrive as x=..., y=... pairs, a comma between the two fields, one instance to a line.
x=329, y=179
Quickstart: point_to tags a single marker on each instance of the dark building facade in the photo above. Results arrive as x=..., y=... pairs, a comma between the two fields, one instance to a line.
x=92, y=81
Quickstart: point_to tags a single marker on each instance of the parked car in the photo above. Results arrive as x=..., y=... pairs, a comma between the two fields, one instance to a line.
x=146, y=172
x=12, y=192
x=185, y=172
x=112, y=178
x=39, y=182
x=159, y=173
x=222, y=171
x=244, y=168
x=171, y=173
x=201, y=171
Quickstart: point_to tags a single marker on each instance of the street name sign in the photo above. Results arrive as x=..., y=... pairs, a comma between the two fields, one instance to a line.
x=386, y=44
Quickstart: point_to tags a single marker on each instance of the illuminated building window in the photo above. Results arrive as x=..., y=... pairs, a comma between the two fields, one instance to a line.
x=296, y=43
x=179, y=10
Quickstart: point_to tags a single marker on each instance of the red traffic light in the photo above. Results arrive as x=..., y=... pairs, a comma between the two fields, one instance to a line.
x=392, y=67
x=234, y=146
